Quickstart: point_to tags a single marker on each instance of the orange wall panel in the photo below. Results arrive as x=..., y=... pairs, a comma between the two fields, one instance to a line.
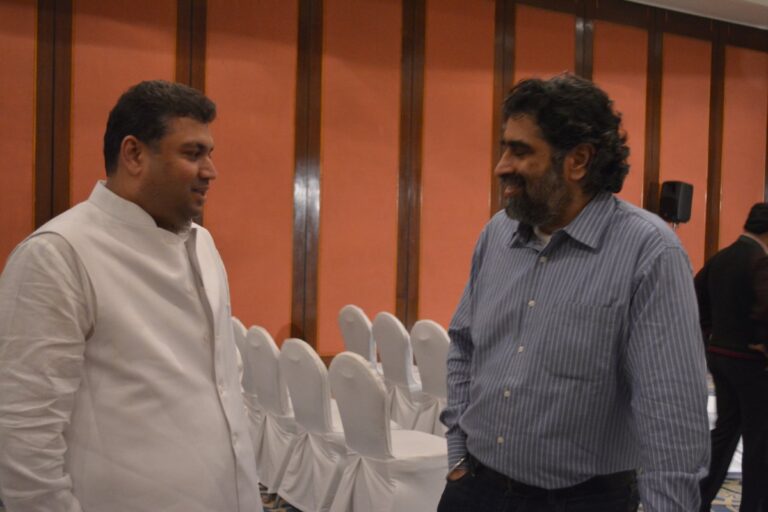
x=545, y=42
x=114, y=45
x=359, y=159
x=684, y=134
x=17, y=122
x=251, y=75
x=624, y=80
x=744, y=138
x=457, y=137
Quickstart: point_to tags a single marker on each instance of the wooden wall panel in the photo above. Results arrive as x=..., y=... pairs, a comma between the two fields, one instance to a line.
x=17, y=122
x=458, y=112
x=251, y=75
x=545, y=42
x=359, y=164
x=684, y=137
x=414, y=27
x=114, y=46
x=624, y=80
x=744, y=138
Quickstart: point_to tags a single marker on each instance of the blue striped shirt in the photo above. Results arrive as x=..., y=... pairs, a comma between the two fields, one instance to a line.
x=583, y=357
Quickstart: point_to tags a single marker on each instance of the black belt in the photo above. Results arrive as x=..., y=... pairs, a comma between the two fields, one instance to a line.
x=595, y=485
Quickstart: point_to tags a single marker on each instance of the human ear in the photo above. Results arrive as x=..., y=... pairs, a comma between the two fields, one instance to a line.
x=132, y=154
x=577, y=161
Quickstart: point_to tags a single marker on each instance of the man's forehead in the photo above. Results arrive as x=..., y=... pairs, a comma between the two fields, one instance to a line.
x=521, y=127
x=188, y=128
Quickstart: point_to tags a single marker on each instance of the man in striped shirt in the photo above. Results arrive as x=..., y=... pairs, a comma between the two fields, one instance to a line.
x=576, y=374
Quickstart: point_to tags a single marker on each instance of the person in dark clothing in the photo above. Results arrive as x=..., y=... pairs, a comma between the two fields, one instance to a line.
x=732, y=290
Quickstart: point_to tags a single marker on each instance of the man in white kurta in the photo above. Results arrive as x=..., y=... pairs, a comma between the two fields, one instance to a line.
x=119, y=385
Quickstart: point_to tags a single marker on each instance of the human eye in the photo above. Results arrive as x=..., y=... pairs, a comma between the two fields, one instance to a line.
x=515, y=148
x=193, y=153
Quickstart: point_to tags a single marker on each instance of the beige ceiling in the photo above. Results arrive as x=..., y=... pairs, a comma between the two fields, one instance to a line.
x=744, y=12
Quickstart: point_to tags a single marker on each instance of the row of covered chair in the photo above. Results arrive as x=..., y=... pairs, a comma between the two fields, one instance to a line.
x=341, y=455
x=416, y=396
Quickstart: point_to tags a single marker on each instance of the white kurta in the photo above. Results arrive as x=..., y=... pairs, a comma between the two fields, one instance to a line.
x=119, y=385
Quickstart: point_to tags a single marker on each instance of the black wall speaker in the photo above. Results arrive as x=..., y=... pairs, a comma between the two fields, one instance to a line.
x=675, y=201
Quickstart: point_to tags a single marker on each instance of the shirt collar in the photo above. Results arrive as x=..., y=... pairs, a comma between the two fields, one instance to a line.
x=588, y=226
x=129, y=212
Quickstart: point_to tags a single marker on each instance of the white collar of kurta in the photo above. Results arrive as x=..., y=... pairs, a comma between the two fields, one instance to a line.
x=753, y=237
x=131, y=213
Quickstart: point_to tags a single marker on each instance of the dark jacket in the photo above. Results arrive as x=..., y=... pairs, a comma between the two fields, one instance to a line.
x=732, y=290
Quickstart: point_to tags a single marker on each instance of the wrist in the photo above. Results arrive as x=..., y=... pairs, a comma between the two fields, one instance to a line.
x=458, y=470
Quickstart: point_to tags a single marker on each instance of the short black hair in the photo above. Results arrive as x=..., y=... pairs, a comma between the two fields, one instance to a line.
x=569, y=111
x=757, y=220
x=144, y=111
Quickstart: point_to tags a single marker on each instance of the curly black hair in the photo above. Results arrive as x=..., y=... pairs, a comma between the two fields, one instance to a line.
x=144, y=110
x=569, y=111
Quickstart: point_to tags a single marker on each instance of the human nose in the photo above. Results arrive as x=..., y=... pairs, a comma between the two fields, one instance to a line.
x=505, y=165
x=208, y=169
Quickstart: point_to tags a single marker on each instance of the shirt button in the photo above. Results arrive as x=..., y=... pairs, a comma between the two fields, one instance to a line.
x=520, y=349
x=531, y=303
x=500, y=440
x=222, y=389
x=543, y=259
x=507, y=393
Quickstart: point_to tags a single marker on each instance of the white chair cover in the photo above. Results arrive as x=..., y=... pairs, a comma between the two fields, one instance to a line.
x=252, y=407
x=315, y=465
x=239, y=331
x=397, y=362
x=430, y=346
x=386, y=470
x=356, y=332
x=274, y=437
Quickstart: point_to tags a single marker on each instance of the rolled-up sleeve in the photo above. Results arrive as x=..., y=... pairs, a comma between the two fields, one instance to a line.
x=47, y=309
x=667, y=374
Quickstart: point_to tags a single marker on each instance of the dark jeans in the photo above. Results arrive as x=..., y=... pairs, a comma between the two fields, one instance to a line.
x=741, y=388
x=484, y=490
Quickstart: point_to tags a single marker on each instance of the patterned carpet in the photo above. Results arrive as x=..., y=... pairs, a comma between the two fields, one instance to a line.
x=727, y=501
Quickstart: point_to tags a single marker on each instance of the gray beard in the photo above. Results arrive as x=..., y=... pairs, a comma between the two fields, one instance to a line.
x=526, y=211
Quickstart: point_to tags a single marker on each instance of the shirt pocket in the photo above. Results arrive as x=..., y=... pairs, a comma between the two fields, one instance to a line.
x=579, y=339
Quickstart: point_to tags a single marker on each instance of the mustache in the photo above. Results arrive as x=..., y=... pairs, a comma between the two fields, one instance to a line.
x=514, y=180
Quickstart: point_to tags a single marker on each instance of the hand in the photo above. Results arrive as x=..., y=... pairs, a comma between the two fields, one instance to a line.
x=457, y=473
x=458, y=470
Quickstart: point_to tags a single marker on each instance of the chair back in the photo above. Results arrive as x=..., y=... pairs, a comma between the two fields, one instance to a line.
x=362, y=400
x=239, y=331
x=307, y=380
x=394, y=349
x=430, y=346
x=261, y=358
x=356, y=332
